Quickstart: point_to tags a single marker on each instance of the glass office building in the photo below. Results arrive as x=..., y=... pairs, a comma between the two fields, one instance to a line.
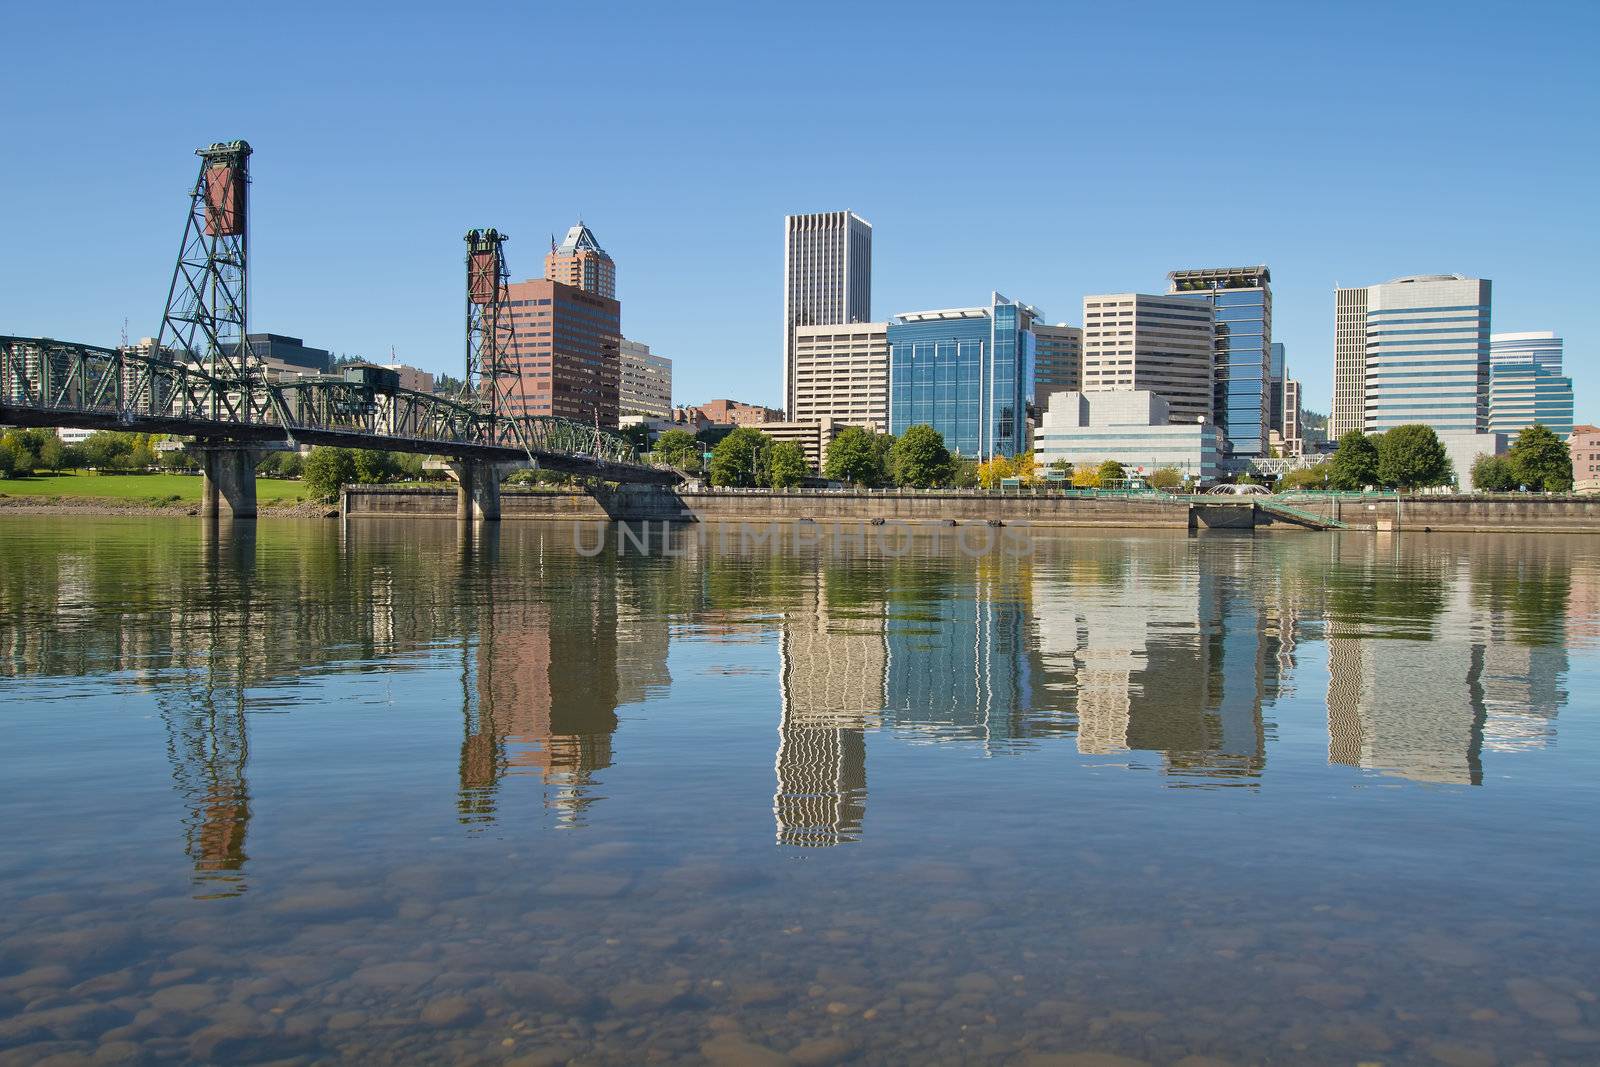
x=1242, y=383
x=1526, y=384
x=967, y=372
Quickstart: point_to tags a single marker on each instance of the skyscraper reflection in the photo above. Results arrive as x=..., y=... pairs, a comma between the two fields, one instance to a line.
x=831, y=690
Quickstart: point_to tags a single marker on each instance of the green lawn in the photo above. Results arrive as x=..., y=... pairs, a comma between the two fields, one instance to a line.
x=139, y=489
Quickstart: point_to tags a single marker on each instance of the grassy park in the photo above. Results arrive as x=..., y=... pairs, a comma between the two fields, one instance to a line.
x=138, y=490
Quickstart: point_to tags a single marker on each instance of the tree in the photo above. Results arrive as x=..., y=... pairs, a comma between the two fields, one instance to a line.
x=1411, y=457
x=373, y=465
x=8, y=460
x=1108, y=472
x=72, y=458
x=1493, y=474
x=1063, y=467
x=327, y=471
x=680, y=449
x=24, y=448
x=919, y=458
x=1540, y=460
x=1026, y=467
x=963, y=473
x=1355, y=462
x=51, y=452
x=106, y=449
x=882, y=448
x=854, y=456
x=1166, y=478
x=786, y=465
x=1085, y=476
x=1314, y=477
x=737, y=459
x=992, y=471
x=636, y=434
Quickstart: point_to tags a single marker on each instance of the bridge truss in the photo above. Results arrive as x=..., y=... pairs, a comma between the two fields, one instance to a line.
x=45, y=382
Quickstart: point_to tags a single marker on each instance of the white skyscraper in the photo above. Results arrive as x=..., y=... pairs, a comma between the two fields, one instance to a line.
x=827, y=279
x=1428, y=353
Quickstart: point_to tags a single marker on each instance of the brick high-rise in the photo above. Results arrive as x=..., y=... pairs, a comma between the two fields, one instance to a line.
x=579, y=261
x=567, y=350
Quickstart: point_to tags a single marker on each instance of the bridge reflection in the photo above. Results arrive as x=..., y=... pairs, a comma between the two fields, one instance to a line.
x=1170, y=656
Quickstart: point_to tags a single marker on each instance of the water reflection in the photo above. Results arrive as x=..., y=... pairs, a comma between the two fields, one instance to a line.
x=1164, y=654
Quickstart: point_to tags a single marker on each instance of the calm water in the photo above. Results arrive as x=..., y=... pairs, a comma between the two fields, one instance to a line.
x=311, y=794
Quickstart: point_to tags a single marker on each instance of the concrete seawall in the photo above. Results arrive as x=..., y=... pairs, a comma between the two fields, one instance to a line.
x=643, y=503
x=1453, y=514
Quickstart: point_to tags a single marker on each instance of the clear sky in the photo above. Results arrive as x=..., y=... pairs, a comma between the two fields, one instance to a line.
x=1044, y=150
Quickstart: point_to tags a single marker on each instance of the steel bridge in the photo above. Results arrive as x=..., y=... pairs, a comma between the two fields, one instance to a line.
x=202, y=380
x=45, y=382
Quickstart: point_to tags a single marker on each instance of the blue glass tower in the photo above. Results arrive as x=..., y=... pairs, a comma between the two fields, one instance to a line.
x=1242, y=382
x=968, y=373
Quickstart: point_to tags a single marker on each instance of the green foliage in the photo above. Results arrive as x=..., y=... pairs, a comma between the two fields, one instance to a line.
x=736, y=459
x=1245, y=479
x=1307, y=477
x=1355, y=462
x=919, y=458
x=786, y=465
x=680, y=449
x=1493, y=474
x=856, y=456
x=1541, y=460
x=327, y=470
x=8, y=460
x=1166, y=478
x=374, y=465
x=1108, y=472
x=636, y=434
x=51, y=452
x=963, y=473
x=24, y=448
x=1063, y=467
x=1411, y=457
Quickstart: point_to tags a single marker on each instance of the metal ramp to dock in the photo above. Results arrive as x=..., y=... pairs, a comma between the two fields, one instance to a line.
x=1298, y=516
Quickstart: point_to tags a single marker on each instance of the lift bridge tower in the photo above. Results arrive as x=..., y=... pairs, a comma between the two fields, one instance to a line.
x=208, y=302
x=491, y=382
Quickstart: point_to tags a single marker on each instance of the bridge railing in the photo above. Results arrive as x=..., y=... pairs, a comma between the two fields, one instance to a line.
x=66, y=379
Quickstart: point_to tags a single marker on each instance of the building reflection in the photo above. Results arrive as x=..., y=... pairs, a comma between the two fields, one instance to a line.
x=831, y=691
x=1166, y=654
x=1434, y=661
x=546, y=685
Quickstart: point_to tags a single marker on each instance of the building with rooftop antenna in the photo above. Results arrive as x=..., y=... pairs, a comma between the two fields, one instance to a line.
x=579, y=261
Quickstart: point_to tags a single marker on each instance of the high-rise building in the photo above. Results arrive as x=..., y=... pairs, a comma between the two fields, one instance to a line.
x=1277, y=371
x=1427, y=354
x=827, y=279
x=1294, y=443
x=1526, y=384
x=841, y=372
x=1160, y=343
x=967, y=372
x=646, y=381
x=1057, y=361
x=1349, y=362
x=280, y=355
x=567, y=351
x=1242, y=382
x=580, y=262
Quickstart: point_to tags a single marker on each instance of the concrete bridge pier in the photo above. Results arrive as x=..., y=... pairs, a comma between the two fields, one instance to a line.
x=228, y=480
x=478, y=488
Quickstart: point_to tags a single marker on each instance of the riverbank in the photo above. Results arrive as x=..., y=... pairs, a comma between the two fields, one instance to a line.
x=1380, y=513
x=168, y=493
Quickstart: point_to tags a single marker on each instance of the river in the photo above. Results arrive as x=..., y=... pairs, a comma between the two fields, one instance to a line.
x=376, y=792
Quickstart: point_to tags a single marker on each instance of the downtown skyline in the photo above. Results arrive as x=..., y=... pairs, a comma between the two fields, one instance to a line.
x=703, y=222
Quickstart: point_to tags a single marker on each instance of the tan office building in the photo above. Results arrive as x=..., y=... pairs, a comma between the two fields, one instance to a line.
x=813, y=436
x=842, y=372
x=1160, y=343
x=1349, y=362
x=646, y=381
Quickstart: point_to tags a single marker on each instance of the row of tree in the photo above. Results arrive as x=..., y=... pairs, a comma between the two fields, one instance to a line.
x=25, y=452
x=748, y=458
x=1412, y=457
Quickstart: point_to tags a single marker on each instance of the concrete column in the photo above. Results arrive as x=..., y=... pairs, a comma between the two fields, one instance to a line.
x=228, y=481
x=477, y=489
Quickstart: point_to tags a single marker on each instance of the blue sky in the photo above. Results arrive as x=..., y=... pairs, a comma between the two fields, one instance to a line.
x=1043, y=150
